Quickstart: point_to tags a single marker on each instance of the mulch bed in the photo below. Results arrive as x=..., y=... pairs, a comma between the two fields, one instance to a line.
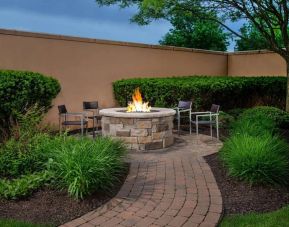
x=240, y=197
x=55, y=207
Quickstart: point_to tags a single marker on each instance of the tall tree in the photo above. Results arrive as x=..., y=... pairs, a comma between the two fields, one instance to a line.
x=191, y=33
x=266, y=15
x=253, y=39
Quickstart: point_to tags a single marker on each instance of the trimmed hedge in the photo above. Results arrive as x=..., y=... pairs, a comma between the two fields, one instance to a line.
x=19, y=91
x=229, y=92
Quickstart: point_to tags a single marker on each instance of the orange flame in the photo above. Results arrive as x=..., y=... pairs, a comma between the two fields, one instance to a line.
x=137, y=105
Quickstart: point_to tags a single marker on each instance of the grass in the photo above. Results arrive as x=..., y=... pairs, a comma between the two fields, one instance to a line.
x=262, y=159
x=14, y=223
x=279, y=218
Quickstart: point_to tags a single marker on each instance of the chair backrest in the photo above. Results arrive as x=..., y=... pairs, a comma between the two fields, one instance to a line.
x=185, y=104
x=62, y=109
x=90, y=105
x=215, y=108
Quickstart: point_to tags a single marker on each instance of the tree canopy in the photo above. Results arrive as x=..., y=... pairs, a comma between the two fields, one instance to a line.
x=192, y=33
x=267, y=16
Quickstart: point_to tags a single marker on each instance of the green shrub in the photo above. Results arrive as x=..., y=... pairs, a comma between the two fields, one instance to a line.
x=20, y=155
x=229, y=92
x=21, y=90
x=254, y=127
x=279, y=117
x=84, y=165
x=23, y=186
x=263, y=159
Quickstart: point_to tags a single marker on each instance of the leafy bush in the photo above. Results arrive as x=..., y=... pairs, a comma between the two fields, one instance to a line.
x=84, y=165
x=253, y=127
x=20, y=154
x=23, y=186
x=262, y=159
x=20, y=90
x=279, y=117
x=229, y=92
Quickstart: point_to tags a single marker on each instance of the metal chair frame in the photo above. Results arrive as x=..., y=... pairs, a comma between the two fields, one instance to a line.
x=214, y=119
x=64, y=119
x=92, y=107
x=184, y=107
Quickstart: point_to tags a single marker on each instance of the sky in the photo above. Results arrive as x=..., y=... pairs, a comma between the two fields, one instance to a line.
x=82, y=18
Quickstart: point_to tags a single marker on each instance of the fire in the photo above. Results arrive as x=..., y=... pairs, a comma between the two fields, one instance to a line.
x=137, y=104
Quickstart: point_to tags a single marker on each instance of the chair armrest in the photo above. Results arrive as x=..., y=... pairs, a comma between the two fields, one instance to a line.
x=199, y=113
x=81, y=114
x=207, y=115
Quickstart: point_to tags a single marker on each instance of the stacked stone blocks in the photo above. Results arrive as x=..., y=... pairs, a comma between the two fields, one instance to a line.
x=140, y=133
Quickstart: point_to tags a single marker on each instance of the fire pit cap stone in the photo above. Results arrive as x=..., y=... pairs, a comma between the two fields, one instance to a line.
x=121, y=113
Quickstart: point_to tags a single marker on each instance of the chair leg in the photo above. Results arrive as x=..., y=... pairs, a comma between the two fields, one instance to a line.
x=197, y=128
x=81, y=127
x=211, y=130
x=93, y=129
x=217, y=128
x=190, y=118
x=179, y=122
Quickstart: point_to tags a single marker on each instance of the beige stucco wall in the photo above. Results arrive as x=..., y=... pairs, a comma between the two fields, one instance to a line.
x=86, y=68
x=256, y=63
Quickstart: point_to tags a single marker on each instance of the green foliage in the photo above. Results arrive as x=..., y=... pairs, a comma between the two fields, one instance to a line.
x=254, y=152
x=229, y=92
x=254, y=40
x=21, y=90
x=190, y=32
x=279, y=218
x=262, y=159
x=20, y=154
x=23, y=186
x=84, y=165
x=279, y=117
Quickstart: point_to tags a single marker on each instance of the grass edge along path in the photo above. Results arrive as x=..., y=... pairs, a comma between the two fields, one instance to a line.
x=279, y=218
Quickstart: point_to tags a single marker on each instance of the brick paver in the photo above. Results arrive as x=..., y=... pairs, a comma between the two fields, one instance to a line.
x=174, y=187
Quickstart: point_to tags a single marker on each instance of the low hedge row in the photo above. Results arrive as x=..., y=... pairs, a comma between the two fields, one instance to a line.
x=229, y=92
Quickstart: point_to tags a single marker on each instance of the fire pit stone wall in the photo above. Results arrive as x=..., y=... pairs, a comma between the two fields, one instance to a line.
x=140, y=131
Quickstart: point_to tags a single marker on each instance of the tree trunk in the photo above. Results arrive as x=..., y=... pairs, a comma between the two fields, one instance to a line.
x=287, y=90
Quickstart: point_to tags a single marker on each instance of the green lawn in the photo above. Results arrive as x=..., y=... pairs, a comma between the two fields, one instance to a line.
x=14, y=223
x=279, y=218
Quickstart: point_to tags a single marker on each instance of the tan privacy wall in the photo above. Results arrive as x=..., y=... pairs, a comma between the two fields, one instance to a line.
x=86, y=68
x=256, y=63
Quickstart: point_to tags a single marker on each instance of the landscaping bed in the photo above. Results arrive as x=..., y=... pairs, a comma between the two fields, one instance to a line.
x=55, y=207
x=240, y=197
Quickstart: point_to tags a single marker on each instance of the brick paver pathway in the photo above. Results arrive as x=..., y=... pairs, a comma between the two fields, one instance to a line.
x=172, y=188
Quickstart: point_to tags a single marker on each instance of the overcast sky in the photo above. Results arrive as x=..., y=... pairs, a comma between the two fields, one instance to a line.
x=81, y=18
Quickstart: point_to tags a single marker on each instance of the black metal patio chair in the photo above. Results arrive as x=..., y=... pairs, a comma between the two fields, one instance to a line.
x=65, y=119
x=184, y=107
x=207, y=118
x=93, y=108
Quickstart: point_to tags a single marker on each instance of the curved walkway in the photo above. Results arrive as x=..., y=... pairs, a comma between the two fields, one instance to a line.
x=173, y=188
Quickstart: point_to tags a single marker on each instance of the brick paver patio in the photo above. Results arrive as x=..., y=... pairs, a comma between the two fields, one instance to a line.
x=172, y=188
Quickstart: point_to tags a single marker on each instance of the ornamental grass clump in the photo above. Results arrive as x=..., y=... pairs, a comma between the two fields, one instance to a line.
x=257, y=160
x=83, y=166
x=255, y=151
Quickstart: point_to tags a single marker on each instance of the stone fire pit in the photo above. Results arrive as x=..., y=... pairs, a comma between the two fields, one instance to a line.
x=139, y=130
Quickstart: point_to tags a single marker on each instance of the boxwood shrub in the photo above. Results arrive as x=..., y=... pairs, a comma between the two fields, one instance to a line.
x=229, y=92
x=20, y=90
